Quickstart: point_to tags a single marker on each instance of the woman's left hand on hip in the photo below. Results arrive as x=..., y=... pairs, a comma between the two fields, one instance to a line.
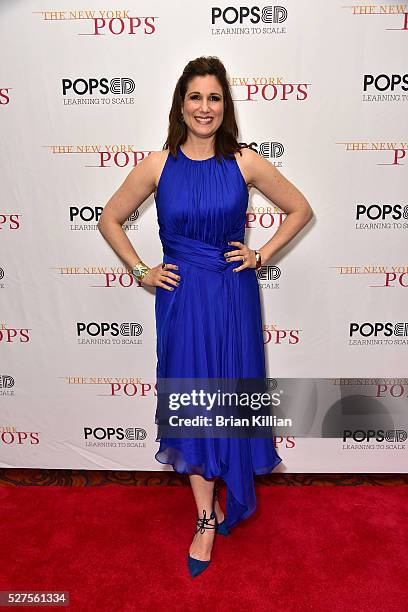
x=241, y=253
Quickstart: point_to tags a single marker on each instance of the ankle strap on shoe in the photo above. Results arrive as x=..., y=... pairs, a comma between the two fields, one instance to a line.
x=202, y=522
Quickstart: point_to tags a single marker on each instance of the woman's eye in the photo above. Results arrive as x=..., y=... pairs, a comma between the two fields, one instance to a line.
x=215, y=98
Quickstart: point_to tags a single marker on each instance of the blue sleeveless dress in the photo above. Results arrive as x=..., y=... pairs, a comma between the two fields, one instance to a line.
x=211, y=324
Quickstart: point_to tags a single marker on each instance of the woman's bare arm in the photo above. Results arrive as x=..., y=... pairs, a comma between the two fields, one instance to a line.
x=137, y=187
x=271, y=183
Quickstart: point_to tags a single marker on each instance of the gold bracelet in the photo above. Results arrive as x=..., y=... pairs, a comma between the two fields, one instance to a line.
x=140, y=270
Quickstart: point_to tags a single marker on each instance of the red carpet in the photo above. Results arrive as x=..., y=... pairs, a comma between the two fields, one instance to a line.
x=120, y=548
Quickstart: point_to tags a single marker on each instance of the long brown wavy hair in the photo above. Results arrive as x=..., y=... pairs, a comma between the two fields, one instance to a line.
x=225, y=141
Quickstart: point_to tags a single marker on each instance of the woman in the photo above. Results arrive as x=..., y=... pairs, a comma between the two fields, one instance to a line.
x=208, y=317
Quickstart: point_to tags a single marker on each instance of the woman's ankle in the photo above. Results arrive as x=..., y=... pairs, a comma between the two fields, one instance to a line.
x=218, y=511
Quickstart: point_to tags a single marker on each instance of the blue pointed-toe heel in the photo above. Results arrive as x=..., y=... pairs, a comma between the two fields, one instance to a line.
x=222, y=528
x=196, y=566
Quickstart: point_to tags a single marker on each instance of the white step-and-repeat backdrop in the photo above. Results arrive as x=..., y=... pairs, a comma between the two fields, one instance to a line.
x=321, y=91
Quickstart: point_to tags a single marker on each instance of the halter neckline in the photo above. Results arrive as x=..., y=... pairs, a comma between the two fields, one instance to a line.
x=194, y=160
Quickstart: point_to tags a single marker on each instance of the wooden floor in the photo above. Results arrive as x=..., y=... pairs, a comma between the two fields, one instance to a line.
x=14, y=477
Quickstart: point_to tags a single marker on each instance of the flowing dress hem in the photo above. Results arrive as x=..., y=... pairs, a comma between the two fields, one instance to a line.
x=193, y=470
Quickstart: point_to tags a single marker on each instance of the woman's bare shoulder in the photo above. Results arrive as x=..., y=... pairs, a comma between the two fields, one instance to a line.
x=158, y=159
x=247, y=154
x=245, y=158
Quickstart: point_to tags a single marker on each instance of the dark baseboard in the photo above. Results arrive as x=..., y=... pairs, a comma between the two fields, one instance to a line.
x=13, y=477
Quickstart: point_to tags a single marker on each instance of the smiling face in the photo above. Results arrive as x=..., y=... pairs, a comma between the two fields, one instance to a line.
x=203, y=108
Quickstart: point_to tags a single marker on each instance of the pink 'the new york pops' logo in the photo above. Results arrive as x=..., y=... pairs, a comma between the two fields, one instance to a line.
x=103, y=22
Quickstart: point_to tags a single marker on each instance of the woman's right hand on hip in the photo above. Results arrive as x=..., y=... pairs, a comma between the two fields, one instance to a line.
x=162, y=277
